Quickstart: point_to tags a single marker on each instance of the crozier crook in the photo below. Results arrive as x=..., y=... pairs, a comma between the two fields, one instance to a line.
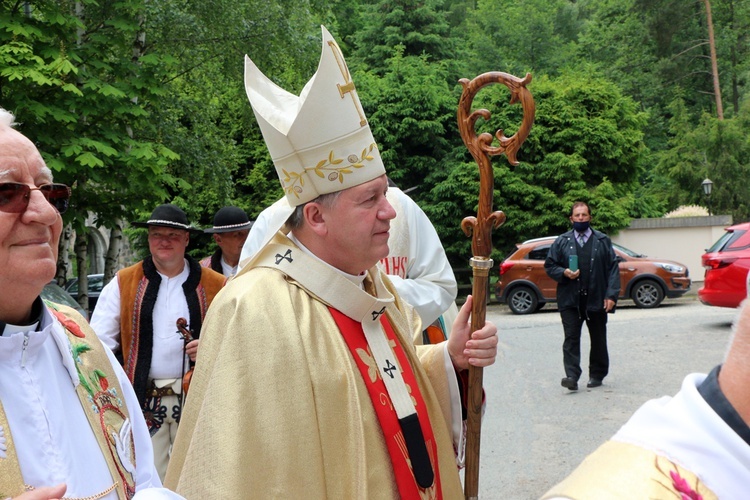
x=479, y=228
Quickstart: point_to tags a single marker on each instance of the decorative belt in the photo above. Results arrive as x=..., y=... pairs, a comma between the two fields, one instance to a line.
x=158, y=392
x=584, y=292
x=90, y=497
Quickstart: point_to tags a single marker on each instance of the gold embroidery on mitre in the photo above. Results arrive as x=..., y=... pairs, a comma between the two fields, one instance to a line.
x=348, y=87
x=294, y=181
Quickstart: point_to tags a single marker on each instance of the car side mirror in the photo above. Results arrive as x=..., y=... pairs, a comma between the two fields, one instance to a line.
x=620, y=258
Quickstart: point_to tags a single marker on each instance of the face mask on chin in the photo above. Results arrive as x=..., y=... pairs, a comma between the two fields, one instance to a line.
x=581, y=226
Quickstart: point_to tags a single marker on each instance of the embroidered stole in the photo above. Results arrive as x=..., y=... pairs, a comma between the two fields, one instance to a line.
x=389, y=423
x=11, y=480
x=368, y=312
x=102, y=400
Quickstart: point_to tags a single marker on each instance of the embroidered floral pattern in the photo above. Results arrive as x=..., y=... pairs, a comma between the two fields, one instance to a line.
x=680, y=488
x=365, y=355
x=106, y=404
x=331, y=168
x=369, y=361
x=95, y=382
x=68, y=323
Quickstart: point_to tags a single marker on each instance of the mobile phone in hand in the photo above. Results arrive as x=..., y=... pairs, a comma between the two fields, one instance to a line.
x=573, y=263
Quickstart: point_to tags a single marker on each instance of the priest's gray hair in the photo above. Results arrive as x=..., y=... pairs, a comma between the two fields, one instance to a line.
x=6, y=118
x=298, y=217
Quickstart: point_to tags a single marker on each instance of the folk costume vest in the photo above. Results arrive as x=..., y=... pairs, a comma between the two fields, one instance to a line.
x=213, y=261
x=139, y=286
x=101, y=398
x=364, y=324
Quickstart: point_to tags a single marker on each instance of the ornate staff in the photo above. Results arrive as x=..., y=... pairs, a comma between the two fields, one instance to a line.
x=479, y=228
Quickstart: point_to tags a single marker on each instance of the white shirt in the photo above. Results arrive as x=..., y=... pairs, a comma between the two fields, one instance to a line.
x=53, y=438
x=416, y=262
x=226, y=269
x=686, y=430
x=171, y=304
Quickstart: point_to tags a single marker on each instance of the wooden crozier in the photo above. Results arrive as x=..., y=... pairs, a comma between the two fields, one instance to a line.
x=479, y=228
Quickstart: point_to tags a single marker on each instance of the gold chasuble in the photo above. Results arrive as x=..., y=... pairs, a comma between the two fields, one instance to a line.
x=278, y=407
x=624, y=471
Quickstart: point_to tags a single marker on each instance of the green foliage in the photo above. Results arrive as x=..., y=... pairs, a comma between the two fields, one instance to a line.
x=585, y=145
x=412, y=116
x=588, y=117
x=516, y=37
x=80, y=94
x=205, y=112
x=139, y=103
x=717, y=149
x=420, y=26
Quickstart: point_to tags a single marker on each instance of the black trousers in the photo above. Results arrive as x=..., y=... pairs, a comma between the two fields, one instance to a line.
x=596, y=322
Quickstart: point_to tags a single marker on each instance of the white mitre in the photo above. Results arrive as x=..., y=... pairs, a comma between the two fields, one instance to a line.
x=320, y=141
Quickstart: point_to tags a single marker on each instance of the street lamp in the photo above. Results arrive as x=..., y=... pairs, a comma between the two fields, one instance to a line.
x=707, y=186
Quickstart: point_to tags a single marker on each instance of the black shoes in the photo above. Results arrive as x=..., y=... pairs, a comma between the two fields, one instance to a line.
x=571, y=383
x=594, y=382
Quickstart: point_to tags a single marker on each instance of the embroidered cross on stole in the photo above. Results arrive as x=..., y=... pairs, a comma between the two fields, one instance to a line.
x=393, y=388
x=389, y=422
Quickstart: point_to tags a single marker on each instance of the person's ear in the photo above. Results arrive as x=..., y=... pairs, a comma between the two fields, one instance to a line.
x=314, y=218
x=217, y=238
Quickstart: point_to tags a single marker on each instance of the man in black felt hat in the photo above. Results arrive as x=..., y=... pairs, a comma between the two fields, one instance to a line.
x=230, y=230
x=136, y=317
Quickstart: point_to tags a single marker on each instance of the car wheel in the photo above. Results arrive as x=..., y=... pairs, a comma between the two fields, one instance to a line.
x=540, y=305
x=647, y=294
x=522, y=300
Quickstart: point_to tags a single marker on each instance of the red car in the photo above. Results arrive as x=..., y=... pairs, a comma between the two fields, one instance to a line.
x=727, y=263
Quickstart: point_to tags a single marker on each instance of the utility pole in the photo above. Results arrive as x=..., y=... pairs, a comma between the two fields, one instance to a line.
x=714, y=64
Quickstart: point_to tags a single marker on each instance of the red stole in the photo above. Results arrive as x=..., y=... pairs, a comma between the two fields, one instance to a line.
x=354, y=337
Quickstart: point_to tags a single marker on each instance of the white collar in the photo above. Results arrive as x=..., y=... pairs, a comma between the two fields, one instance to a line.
x=49, y=326
x=357, y=279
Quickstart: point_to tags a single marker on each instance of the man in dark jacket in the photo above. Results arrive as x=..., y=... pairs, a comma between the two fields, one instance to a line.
x=585, y=266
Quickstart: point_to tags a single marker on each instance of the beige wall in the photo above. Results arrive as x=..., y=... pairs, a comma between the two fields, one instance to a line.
x=682, y=239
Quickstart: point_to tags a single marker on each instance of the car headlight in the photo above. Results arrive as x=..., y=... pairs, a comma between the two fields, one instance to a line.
x=671, y=267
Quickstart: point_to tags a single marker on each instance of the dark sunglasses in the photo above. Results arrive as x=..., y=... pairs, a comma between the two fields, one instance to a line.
x=14, y=197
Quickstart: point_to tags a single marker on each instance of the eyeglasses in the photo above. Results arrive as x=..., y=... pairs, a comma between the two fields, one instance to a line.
x=14, y=196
